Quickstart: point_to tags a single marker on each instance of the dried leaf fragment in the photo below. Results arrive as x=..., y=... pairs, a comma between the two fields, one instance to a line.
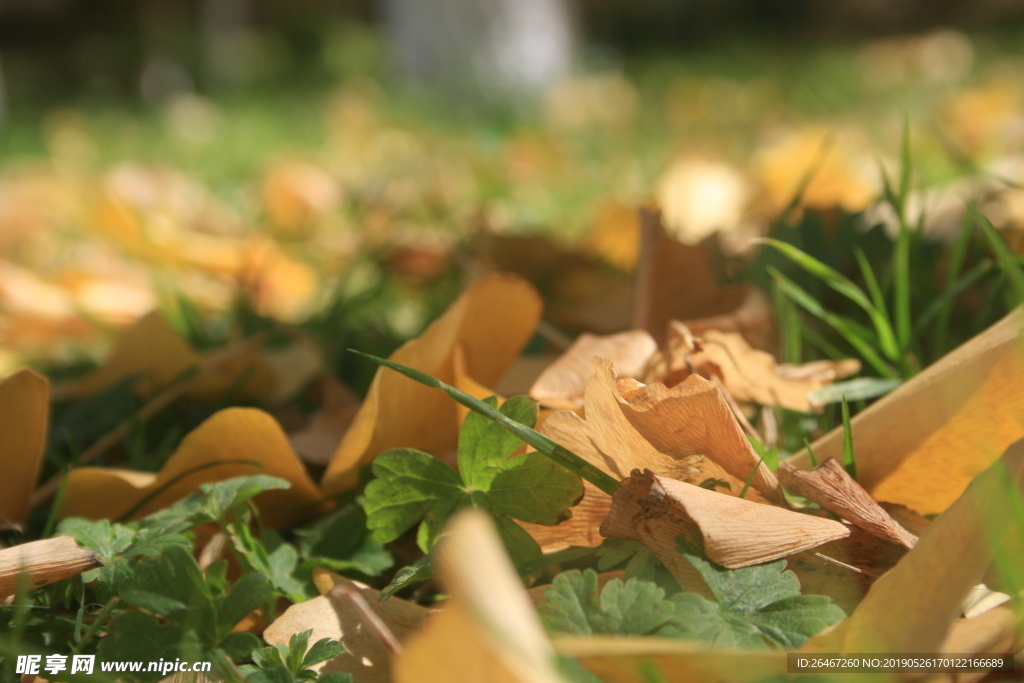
x=44, y=562
x=563, y=383
x=737, y=533
x=830, y=486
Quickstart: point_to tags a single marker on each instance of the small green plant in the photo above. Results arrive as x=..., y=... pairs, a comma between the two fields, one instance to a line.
x=293, y=663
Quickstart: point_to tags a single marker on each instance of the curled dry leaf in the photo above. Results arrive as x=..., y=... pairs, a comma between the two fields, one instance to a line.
x=492, y=320
x=922, y=444
x=44, y=562
x=747, y=374
x=607, y=440
x=737, y=533
x=913, y=606
x=563, y=383
x=24, y=408
x=332, y=616
x=488, y=632
x=248, y=437
x=694, y=418
x=831, y=487
x=318, y=440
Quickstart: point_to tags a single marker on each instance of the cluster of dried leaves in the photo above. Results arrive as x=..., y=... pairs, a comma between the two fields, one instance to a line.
x=659, y=420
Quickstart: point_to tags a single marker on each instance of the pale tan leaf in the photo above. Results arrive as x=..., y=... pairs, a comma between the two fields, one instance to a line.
x=334, y=617
x=563, y=383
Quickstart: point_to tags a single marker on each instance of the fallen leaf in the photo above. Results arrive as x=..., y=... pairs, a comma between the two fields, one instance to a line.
x=492, y=320
x=296, y=194
x=237, y=434
x=913, y=606
x=749, y=375
x=607, y=440
x=563, y=383
x=676, y=281
x=923, y=443
x=24, y=409
x=831, y=487
x=155, y=353
x=334, y=617
x=693, y=418
x=737, y=533
x=488, y=631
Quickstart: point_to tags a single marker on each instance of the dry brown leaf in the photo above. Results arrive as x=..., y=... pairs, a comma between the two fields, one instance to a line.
x=236, y=434
x=492, y=320
x=753, y=320
x=296, y=194
x=676, y=281
x=24, y=409
x=830, y=486
x=748, y=375
x=913, y=606
x=625, y=660
x=488, y=632
x=317, y=442
x=44, y=562
x=693, y=418
x=608, y=441
x=737, y=532
x=562, y=384
x=334, y=617
x=922, y=444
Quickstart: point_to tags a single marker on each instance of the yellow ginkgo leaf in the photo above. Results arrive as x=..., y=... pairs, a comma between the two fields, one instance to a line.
x=155, y=353
x=24, y=406
x=922, y=444
x=491, y=321
x=250, y=439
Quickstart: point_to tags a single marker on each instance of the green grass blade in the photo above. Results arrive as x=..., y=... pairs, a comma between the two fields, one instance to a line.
x=877, y=298
x=906, y=165
x=854, y=390
x=810, y=453
x=543, y=444
x=845, y=327
x=750, y=477
x=1008, y=263
x=790, y=328
x=901, y=286
x=846, y=287
x=848, y=460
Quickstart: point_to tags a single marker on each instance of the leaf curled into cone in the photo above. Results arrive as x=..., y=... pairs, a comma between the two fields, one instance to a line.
x=923, y=443
x=249, y=440
x=492, y=320
x=607, y=440
x=913, y=606
x=694, y=418
x=334, y=617
x=488, y=631
x=24, y=408
x=830, y=486
x=737, y=533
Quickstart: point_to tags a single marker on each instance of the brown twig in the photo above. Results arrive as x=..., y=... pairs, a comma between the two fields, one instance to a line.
x=43, y=562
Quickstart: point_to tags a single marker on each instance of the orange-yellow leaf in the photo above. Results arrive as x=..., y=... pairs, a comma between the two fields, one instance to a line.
x=492, y=321
x=24, y=407
x=231, y=434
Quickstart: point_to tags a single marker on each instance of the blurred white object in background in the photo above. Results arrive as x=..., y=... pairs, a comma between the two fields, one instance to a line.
x=495, y=48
